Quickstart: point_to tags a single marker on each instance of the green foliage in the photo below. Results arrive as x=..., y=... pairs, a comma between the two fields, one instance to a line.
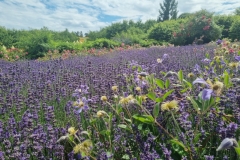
x=225, y=22
x=132, y=36
x=235, y=29
x=163, y=31
x=101, y=43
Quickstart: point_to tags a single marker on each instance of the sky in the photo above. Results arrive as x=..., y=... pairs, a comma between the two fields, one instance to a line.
x=92, y=15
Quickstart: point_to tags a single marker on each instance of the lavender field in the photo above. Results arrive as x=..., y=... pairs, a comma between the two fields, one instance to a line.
x=180, y=103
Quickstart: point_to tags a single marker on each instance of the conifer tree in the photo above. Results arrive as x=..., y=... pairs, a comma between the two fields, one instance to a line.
x=168, y=10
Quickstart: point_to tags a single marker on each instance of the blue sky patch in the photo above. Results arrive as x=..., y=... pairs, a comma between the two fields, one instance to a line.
x=108, y=18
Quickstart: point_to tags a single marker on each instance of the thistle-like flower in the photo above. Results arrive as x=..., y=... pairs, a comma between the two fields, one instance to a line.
x=233, y=65
x=72, y=131
x=114, y=88
x=127, y=100
x=104, y=98
x=172, y=105
x=138, y=89
x=101, y=114
x=190, y=75
x=227, y=143
x=84, y=147
x=216, y=87
x=159, y=60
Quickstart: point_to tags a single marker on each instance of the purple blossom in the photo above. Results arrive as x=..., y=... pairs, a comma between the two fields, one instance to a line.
x=206, y=94
x=219, y=41
x=237, y=58
x=81, y=104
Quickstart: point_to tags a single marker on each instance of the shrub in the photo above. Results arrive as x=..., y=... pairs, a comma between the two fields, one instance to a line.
x=235, y=29
x=199, y=26
x=225, y=22
x=101, y=43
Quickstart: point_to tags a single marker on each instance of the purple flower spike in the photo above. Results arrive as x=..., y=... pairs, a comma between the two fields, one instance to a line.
x=206, y=94
x=237, y=58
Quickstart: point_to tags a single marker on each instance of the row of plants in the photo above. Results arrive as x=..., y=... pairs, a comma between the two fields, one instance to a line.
x=146, y=103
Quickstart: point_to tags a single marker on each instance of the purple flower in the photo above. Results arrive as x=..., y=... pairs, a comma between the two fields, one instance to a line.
x=200, y=80
x=237, y=58
x=81, y=104
x=197, y=68
x=165, y=56
x=206, y=94
x=227, y=143
x=209, y=157
x=206, y=61
x=83, y=89
x=219, y=41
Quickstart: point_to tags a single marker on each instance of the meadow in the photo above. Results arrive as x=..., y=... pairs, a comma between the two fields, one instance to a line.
x=156, y=103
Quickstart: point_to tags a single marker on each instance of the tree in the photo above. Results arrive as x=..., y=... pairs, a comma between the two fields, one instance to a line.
x=168, y=10
x=237, y=11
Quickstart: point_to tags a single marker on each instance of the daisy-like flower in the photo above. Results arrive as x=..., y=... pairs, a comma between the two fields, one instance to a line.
x=172, y=105
x=81, y=104
x=84, y=147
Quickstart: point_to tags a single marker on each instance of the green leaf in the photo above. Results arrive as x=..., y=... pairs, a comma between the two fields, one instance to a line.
x=180, y=76
x=144, y=118
x=125, y=156
x=207, y=55
x=123, y=126
x=160, y=99
x=156, y=110
x=139, y=69
x=105, y=132
x=128, y=120
x=188, y=83
x=226, y=78
x=195, y=104
x=167, y=83
x=176, y=142
x=151, y=95
x=184, y=90
x=239, y=53
x=71, y=138
x=237, y=149
x=160, y=83
x=167, y=94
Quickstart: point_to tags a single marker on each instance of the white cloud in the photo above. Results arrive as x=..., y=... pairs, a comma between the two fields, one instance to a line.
x=83, y=15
